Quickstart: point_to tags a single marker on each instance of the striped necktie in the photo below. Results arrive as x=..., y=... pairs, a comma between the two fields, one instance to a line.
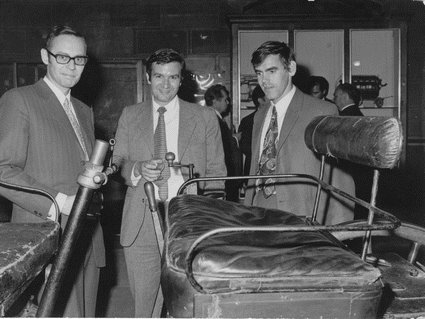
x=160, y=149
x=77, y=129
x=267, y=164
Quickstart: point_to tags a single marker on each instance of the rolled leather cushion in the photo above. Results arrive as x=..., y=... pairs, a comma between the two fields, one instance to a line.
x=252, y=261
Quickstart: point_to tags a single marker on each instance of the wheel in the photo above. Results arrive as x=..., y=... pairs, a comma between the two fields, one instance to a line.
x=400, y=255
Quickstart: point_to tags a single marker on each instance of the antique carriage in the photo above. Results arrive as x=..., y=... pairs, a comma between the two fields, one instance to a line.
x=223, y=259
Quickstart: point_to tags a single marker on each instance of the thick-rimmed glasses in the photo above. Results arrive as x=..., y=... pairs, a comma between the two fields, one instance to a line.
x=64, y=59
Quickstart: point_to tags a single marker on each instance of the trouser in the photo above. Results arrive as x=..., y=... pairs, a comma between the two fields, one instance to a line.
x=143, y=262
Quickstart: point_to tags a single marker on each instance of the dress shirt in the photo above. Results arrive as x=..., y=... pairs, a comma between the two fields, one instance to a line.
x=346, y=107
x=218, y=114
x=171, y=118
x=281, y=108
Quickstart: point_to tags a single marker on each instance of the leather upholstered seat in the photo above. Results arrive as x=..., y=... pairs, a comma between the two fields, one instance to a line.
x=253, y=261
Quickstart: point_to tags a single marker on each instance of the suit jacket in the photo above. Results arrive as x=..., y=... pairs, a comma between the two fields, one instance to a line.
x=351, y=110
x=39, y=149
x=245, y=128
x=199, y=143
x=293, y=156
x=233, y=160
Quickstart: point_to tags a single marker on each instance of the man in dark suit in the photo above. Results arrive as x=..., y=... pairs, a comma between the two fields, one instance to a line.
x=217, y=97
x=40, y=148
x=193, y=135
x=281, y=128
x=348, y=98
x=245, y=127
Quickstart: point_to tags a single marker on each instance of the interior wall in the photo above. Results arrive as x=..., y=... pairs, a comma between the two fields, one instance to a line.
x=199, y=29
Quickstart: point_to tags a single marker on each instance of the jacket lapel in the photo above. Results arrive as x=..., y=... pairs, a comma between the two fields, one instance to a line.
x=55, y=109
x=85, y=124
x=144, y=131
x=257, y=128
x=187, y=126
x=291, y=117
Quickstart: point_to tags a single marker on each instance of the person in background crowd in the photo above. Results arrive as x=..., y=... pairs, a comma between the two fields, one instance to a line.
x=192, y=133
x=348, y=98
x=318, y=87
x=278, y=142
x=46, y=135
x=217, y=97
x=245, y=127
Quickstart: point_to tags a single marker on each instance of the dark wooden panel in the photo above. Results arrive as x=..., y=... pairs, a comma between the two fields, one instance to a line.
x=210, y=41
x=148, y=41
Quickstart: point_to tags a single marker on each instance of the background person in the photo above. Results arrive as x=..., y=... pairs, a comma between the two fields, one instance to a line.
x=348, y=98
x=193, y=135
x=41, y=149
x=245, y=127
x=217, y=97
x=278, y=143
x=318, y=87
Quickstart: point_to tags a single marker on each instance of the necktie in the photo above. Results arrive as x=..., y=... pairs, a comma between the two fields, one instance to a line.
x=267, y=164
x=76, y=126
x=160, y=149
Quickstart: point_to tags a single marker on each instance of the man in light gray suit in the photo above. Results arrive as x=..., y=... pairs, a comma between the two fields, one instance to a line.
x=40, y=148
x=275, y=65
x=193, y=135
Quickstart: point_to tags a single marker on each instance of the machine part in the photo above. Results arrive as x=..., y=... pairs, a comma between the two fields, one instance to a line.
x=73, y=229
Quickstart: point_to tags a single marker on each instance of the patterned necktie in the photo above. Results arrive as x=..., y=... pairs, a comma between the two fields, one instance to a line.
x=76, y=126
x=160, y=149
x=267, y=164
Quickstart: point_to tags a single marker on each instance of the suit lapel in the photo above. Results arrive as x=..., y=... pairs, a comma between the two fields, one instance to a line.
x=187, y=124
x=257, y=128
x=291, y=117
x=85, y=124
x=55, y=109
x=144, y=131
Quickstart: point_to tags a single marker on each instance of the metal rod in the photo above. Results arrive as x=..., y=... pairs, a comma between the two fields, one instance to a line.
x=71, y=233
x=368, y=234
x=73, y=228
x=319, y=189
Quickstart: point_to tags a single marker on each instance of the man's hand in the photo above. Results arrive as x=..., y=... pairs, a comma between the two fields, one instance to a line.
x=150, y=170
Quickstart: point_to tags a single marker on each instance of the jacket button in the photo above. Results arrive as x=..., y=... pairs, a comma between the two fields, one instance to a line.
x=83, y=162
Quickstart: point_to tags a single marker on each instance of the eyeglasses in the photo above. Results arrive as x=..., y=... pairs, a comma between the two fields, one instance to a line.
x=64, y=59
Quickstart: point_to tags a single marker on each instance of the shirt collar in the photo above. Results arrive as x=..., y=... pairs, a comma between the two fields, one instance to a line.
x=171, y=106
x=347, y=106
x=61, y=97
x=284, y=102
x=218, y=114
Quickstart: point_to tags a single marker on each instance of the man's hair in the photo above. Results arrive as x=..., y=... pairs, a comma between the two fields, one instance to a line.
x=213, y=93
x=165, y=56
x=257, y=93
x=320, y=81
x=353, y=93
x=285, y=53
x=58, y=30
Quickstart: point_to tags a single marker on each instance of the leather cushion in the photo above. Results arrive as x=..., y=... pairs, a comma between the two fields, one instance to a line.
x=256, y=260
